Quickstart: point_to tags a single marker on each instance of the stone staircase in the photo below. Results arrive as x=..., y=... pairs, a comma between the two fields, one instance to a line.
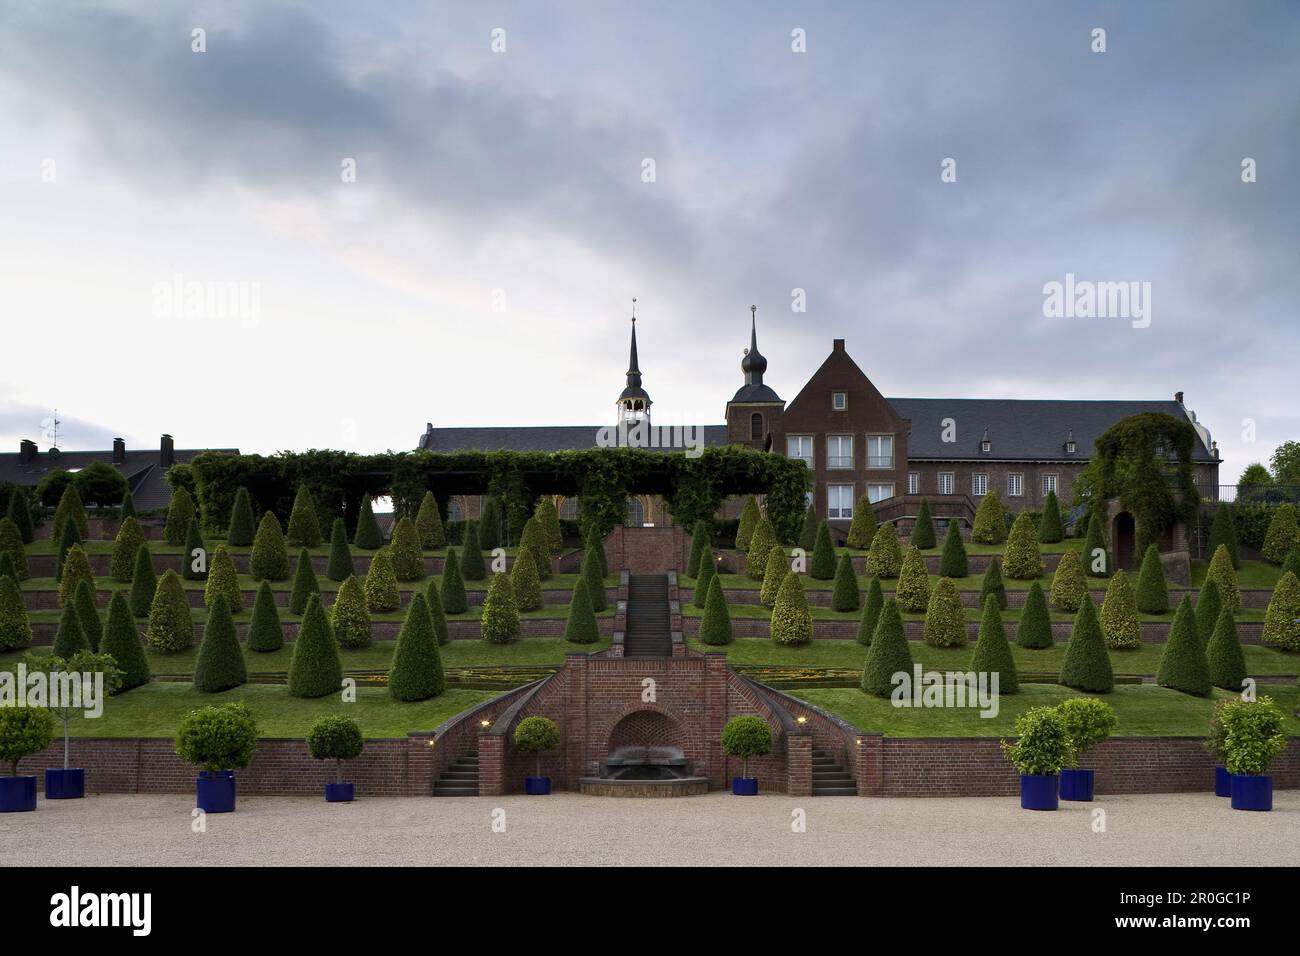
x=829, y=779
x=460, y=779
x=649, y=633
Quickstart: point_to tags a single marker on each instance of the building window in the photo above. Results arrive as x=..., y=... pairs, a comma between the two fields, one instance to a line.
x=979, y=484
x=569, y=509
x=800, y=446
x=454, y=510
x=839, y=401
x=913, y=483
x=1049, y=484
x=945, y=482
x=807, y=500
x=756, y=427
x=1015, y=485
x=635, y=513
x=839, y=501
x=877, y=493
x=839, y=451
x=880, y=451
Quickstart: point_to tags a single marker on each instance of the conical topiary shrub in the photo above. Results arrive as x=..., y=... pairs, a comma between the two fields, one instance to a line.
x=701, y=540
x=436, y=613
x=143, y=584
x=69, y=639
x=1087, y=665
x=269, y=559
x=885, y=556
x=428, y=522
x=367, y=536
x=1022, y=560
x=533, y=539
x=304, y=583
x=7, y=568
x=129, y=540
x=349, y=615
x=990, y=521
x=953, y=563
x=265, y=633
x=67, y=539
x=416, y=672
x=1051, y=527
x=846, y=596
x=1183, y=665
x=715, y=626
x=523, y=577
x=761, y=543
x=171, y=625
x=993, y=584
x=596, y=540
x=1223, y=654
x=1096, y=558
x=242, y=527
x=595, y=581
x=489, y=525
x=304, y=528
x=11, y=544
x=220, y=664
x=71, y=508
x=180, y=513
x=122, y=641
x=1283, y=534
x=1035, y=628
x=822, y=565
x=340, y=566
x=88, y=616
x=1223, y=531
x=992, y=652
x=945, y=619
x=20, y=513
x=1281, y=629
x=76, y=568
x=923, y=529
x=452, y=588
x=549, y=520
x=472, y=565
x=1292, y=563
x=408, y=559
x=580, y=627
x=791, y=619
x=808, y=532
x=1224, y=576
x=315, y=669
x=1119, y=619
x=913, y=592
x=749, y=517
x=381, y=584
x=1152, y=591
x=870, y=612
x=701, y=597
x=888, y=654
x=15, y=625
x=1208, y=606
x=500, y=621
x=194, y=562
x=862, y=530
x=773, y=576
x=1069, y=586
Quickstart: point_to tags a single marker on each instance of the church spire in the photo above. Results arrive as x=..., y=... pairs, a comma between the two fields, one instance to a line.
x=753, y=364
x=634, y=402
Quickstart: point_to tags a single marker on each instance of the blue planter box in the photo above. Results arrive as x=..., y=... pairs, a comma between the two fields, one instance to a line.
x=17, y=794
x=338, y=793
x=215, y=793
x=537, y=786
x=1038, y=792
x=1222, y=782
x=65, y=784
x=1076, y=784
x=1251, y=792
x=744, y=786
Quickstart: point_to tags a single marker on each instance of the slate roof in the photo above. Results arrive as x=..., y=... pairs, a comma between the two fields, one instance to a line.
x=1020, y=429
x=142, y=468
x=533, y=438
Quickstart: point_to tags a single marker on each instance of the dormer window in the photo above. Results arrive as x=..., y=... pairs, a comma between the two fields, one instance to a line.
x=1071, y=446
x=839, y=401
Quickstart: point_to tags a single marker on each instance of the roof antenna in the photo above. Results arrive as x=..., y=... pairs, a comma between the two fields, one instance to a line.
x=54, y=436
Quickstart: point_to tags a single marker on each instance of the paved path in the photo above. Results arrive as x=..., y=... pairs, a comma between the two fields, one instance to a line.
x=717, y=829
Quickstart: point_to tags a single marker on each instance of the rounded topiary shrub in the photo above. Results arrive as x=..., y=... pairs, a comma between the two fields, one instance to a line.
x=269, y=560
x=340, y=564
x=773, y=576
x=889, y=653
x=1224, y=576
x=315, y=669
x=953, y=563
x=220, y=664
x=416, y=672
x=304, y=583
x=992, y=652
x=367, y=536
x=304, y=528
x=846, y=596
x=791, y=619
x=1035, y=628
x=242, y=527
x=715, y=626
x=1252, y=735
x=381, y=584
x=580, y=627
x=1042, y=746
x=452, y=588
x=822, y=565
x=349, y=615
x=171, y=625
x=408, y=558
x=1022, y=560
x=761, y=543
x=1223, y=654
x=122, y=642
x=523, y=577
x=223, y=582
x=1069, y=586
x=885, y=556
x=1281, y=629
x=265, y=632
x=129, y=540
x=1088, y=721
x=500, y=621
x=1119, y=619
x=945, y=619
x=218, y=738
x=428, y=522
x=1152, y=590
x=536, y=735
x=870, y=612
x=746, y=736
x=24, y=731
x=990, y=521
x=1087, y=664
x=862, y=530
x=335, y=737
x=913, y=590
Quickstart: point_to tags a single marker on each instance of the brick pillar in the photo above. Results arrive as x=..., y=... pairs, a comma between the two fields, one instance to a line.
x=716, y=678
x=869, y=764
x=798, y=765
x=419, y=766
x=492, y=765
x=575, y=719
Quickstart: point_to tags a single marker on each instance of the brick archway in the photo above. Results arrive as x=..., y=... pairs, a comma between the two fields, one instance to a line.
x=644, y=727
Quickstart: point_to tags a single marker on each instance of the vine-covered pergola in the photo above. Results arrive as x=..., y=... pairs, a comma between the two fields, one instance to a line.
x=602, y=479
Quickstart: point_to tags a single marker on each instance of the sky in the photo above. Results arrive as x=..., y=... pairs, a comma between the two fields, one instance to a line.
x=480, y=268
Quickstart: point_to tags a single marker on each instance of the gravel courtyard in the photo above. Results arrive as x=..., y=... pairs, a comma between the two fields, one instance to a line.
x=717, y=829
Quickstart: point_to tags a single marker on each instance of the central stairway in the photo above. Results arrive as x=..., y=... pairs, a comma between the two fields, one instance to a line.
x=460, y=779
x=649, y=632
x=829, y=779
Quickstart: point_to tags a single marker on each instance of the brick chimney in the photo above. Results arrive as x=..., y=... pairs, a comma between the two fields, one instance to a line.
x=26, y=451
x=167, y=453
x=1178, y=397
x=837, y=345
x=119, y=451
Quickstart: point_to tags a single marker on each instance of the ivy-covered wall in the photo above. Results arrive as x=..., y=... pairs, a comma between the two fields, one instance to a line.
x=601, y=478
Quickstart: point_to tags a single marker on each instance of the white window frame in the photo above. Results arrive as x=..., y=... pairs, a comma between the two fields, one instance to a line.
x=808, y=459
x=1015, y=484
x=949, y=479
x=979, y=484
x=839, y=401
x=880, y=461
x=913, y=482
x=874, y=486
x=1050, y=482
x=837, y=460
x=838, y=511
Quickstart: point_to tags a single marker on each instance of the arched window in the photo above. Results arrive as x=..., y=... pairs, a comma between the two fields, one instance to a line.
x=756, y=427
x=569, y=509
x=635, y=513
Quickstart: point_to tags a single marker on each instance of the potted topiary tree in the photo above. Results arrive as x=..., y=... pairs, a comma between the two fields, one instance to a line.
x=23, y=731
x=1041, y=749
x=1252, y=737
x=336, y=738
x=1214, y=747
x=69, y=783
x=1088, y=721
x=221, y=740
x=744, y=737
x=534, y=735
